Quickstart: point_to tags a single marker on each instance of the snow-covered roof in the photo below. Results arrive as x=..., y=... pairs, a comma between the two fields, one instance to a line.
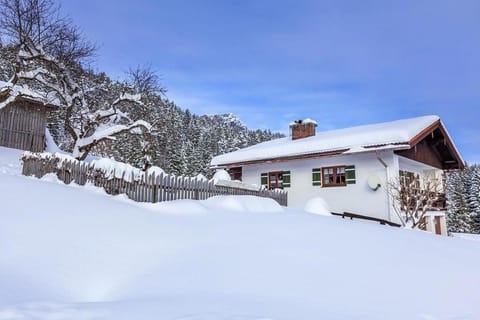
x=373, y=137
x=10, y=93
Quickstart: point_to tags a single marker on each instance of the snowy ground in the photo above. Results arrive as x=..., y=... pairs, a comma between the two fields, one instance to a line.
x=467, y=236
x=70, y=252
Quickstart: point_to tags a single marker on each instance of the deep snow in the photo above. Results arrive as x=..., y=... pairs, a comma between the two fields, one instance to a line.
x=70, y=252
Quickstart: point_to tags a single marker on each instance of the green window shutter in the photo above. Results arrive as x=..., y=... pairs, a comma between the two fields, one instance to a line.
x=286, y=179
x=264, y=179
x=350, y=174
x=317, y=177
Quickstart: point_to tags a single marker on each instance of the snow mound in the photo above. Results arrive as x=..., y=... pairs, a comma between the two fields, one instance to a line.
x=115, y=169
x=221, y=175
x=10, y=162
x=317, y=206
x=51, y=177
x=243, y=204
x=177, y=207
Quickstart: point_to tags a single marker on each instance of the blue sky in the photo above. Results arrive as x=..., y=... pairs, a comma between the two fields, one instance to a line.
x=341, y=63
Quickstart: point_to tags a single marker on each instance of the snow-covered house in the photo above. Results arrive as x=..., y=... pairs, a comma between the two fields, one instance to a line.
x=23, y=118
x=352, y=169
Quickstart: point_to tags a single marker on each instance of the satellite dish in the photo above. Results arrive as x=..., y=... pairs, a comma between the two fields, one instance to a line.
x=374, y=182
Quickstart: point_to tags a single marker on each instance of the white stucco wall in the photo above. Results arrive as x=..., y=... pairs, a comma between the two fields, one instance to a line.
x=355, y=198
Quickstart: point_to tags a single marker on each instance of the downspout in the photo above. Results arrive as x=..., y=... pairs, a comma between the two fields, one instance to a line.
x=387, y=176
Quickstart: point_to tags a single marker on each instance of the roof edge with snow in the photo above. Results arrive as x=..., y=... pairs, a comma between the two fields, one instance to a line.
x=10, y=93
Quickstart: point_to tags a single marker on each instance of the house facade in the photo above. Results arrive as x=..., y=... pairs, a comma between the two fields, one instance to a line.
x=355, y=170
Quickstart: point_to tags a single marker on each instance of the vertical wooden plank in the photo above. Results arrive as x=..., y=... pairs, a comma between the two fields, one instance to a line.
x=166, y=188
x=133, y=187
x=145, y=188
x=173, y=188
x=182, y=181
x=160, y=187
x=157, y=188
x=189, y=188
x=154, y=187
x=9, y=132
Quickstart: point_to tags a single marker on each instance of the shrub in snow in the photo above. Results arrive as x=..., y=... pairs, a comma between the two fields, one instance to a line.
x=317, y=206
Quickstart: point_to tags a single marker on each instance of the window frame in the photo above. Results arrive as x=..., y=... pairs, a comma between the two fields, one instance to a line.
x=235, y=173
x=334, y=174
x=277, y=175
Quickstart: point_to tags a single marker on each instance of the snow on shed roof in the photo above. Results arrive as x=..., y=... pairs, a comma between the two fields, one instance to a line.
x=373, y=137
x=10, y=93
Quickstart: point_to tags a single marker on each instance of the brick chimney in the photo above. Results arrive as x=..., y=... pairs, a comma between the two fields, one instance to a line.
x=303, y=128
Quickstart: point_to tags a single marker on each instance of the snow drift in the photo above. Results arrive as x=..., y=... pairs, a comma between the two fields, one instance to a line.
x=71, y=252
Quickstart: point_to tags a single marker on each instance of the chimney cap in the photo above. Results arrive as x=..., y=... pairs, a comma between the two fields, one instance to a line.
x=304, y=121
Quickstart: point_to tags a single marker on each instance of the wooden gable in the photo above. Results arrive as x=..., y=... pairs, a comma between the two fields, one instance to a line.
x=434, y=147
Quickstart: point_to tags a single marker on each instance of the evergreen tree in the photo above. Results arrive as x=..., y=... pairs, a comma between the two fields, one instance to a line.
x=463, y=200
x=474, y=198
x=458, y=213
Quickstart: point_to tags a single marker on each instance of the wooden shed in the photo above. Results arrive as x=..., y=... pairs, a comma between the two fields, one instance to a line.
x=23, y=118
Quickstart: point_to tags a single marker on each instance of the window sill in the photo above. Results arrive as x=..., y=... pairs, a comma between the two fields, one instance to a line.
x=333, y=185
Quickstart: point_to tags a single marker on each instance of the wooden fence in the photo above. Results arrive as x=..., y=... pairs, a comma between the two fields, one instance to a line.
x=141, y=188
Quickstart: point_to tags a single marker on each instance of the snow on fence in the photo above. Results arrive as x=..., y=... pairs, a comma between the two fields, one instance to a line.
x=151, y=186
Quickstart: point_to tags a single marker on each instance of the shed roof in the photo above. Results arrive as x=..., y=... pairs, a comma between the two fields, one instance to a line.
x=394, y=135
x=10, y=93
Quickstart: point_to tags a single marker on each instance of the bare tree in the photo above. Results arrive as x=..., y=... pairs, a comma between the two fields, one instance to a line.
x=413, y=197
x=145, y=80
x=40, y=22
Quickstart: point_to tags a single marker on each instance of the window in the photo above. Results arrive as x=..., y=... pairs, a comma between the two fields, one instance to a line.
x=235, y=173
x=275, y=179
x=334, y=176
